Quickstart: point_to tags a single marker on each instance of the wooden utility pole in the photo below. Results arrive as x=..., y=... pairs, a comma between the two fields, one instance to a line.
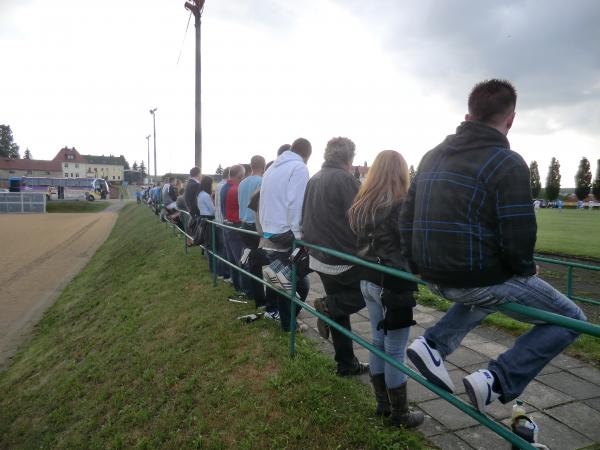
x=196, y=7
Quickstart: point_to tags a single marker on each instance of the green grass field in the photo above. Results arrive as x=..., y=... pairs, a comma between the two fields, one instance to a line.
x=569, y=232
x=140, y=351
x=56, y=206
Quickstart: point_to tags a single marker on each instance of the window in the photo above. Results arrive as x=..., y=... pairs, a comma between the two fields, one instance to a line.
x=70, y=156
x=77, y=166
x=71, y=174
x=113, y=177
x=76, y=175
x=119, y=177
x=66, y=175
x=29, y=172
x=66, y=165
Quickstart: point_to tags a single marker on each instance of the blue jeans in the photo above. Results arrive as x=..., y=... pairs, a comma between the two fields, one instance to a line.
x=517, y=366
x=234, y=248
x=393, y=344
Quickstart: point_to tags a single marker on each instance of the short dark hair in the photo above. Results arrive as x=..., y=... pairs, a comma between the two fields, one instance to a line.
x=492, y=100
x=206, y=184
x=247, y=169
x=226, y=172
x=302, y=147
x=283, y=148
x=171, y=179
x=194, y=172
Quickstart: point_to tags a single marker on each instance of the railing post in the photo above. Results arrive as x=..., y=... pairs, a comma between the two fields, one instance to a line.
x=570, y=282
x=293, y=306
x=213, y=245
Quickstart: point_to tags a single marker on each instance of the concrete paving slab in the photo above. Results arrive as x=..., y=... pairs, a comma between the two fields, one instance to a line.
x=447, y=415
x=492, y=333
x=480, y=437
x=567, y=362
x=450, y=441
x=588, y=373
x=463, y=356
x=457, y=376
x=473, y=338
x=489, y=349
x=419, y=393
x=420, y=317
x=431, y=427
x=593, y=403
x=362, y=328
x=542, y=396
x=415, y=331
x=580, y=417
x=556, y=435
x=570, y=384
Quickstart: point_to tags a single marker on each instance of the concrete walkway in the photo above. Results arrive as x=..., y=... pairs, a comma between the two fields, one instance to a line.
x=564, y=399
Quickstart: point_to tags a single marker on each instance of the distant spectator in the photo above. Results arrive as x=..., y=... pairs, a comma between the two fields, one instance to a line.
x=231, y=210
x=283, y=148
x=247, y=187
x=329, y=195
x=205, y=202
x=192, y=190
x=223, y=270
x=180, y=202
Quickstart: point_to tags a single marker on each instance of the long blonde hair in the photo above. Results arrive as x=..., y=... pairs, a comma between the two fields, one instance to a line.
x=386, y=184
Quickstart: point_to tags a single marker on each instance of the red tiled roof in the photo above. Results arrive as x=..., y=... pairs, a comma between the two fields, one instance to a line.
x=62, y=156
x=29, y=164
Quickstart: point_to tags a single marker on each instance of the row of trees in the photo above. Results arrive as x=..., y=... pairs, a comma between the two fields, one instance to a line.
x=8, y=148
x=583, y=180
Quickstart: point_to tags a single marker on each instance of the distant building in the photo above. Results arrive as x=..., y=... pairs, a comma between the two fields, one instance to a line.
x=68, y=163
x=361, y=171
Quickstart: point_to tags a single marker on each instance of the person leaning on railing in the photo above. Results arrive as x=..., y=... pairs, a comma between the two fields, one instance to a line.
x=329, y=195
x=469, y=230
x=374, y=218
x=207, y=212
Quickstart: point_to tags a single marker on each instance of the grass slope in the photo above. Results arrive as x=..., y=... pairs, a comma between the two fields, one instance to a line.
x=569, y=232
x=140, y=351
x=75, y=206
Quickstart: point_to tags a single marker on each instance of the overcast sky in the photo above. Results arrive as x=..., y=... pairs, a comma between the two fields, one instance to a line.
x=387, y=74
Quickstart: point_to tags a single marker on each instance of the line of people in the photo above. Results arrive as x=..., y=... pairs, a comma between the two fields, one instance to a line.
x=465, y=225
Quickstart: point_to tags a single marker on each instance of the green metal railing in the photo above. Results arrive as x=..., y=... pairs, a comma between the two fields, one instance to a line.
x=570, y=266
x=577, y=325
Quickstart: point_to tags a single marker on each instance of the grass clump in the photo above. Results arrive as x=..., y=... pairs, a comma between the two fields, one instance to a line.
x=140, y=351
x=74, y=206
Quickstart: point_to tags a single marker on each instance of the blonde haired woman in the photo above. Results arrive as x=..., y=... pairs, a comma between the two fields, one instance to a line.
x=374, y=218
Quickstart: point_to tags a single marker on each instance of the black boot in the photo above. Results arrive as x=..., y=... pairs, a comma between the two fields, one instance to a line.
x=401, y=413
x=381, y=395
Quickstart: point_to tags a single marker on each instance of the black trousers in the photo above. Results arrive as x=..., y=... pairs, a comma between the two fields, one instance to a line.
x=344, y=298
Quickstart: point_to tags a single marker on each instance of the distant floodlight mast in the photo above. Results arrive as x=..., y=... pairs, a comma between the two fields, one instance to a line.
x=153, y=112
x=196, y=7
x=148, y=166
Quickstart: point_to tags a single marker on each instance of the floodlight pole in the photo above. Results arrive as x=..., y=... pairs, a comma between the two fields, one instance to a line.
x=148, y=166
x=196, y=7
x=153, y=112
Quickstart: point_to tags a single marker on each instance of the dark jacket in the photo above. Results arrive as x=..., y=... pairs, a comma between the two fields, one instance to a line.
x=381, y=243
x=192, y=189
x=468, y=220
x=329, y=194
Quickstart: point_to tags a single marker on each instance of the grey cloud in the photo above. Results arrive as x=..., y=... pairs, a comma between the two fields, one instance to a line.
x=549, y=49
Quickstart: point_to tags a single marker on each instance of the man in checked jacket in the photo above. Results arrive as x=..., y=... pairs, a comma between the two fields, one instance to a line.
x=469, y=230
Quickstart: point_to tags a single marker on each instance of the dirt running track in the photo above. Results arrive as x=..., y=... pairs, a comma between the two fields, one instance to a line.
x=39, y=255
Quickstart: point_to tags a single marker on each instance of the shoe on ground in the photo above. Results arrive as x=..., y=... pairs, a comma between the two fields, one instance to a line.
x=359, y=369
x=322, y=326
x=479, y=389
x=272, y=316
x=429, y=362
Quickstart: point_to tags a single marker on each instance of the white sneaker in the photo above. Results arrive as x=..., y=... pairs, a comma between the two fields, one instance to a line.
x=272, y=315
x=479, y=388
x=429, y=362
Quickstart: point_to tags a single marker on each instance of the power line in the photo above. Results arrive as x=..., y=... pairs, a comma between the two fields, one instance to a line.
x=184, y=35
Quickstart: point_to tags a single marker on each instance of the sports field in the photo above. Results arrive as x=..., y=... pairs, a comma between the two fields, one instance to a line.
x=569, y=232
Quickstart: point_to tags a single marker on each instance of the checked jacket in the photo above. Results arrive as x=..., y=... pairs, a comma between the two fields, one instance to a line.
x=468, y=219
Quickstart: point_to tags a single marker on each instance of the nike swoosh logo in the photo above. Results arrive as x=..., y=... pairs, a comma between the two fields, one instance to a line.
x=488, y=400
x=437, y=362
